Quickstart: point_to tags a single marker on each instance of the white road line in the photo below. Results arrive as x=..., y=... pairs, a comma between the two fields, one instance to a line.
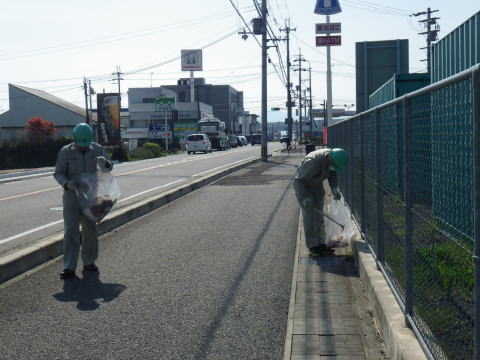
x=219, y=167
x=3, y=241
x=149, y=190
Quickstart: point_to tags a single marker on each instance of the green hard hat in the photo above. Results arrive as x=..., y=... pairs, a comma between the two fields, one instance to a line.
x=82, y=135
x=339, y=158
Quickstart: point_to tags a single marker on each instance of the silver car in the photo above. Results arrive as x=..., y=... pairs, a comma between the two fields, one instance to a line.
x=198, y=142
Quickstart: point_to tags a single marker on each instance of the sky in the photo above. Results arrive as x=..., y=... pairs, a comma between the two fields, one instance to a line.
x=53, y=44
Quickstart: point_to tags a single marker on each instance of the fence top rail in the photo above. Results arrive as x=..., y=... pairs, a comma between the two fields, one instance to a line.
x=468, y=73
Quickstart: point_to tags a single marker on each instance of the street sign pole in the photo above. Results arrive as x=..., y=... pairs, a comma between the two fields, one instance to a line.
x=329, y=81
x=192, y=87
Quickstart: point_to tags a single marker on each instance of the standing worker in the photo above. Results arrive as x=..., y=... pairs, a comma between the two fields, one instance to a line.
x=80, y=157
x=308, y=180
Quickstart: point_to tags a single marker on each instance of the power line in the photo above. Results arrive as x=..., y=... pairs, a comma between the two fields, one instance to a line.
x=321, y=52
x=107, y=39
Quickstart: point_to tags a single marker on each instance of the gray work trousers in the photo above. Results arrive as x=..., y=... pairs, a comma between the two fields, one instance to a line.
x=72, y=218
x=313, y=222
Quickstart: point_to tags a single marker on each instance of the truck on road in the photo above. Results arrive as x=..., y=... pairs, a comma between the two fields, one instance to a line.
x=215, y=130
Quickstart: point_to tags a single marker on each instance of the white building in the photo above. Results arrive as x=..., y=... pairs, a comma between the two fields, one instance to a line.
x=143, y=113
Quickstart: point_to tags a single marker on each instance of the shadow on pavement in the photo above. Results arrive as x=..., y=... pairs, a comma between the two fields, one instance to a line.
x=87, y=290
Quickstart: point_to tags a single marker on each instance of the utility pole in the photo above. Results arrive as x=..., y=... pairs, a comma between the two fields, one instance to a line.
x=310, y=91
x=431, y=33
x=289, y=84
x=87, y=115
x=305, y=103
x=300, y=59
x=264, y=81
x=118, y=74
x=90, y=93
x=325, y=122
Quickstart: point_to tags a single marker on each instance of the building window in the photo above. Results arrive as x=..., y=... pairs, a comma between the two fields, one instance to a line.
x=148, y=100
x=181, y=96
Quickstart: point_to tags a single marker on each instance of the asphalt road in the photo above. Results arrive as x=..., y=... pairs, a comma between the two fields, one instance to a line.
x=32, y=208
x=205, y=277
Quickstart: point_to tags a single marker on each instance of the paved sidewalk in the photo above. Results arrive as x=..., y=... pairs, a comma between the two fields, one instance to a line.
x=324, y=321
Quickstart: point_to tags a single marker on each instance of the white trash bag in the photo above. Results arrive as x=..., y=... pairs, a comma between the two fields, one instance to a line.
x=336, y=236
x=97, y=193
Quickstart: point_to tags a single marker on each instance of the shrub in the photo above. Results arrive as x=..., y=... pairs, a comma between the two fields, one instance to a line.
x=154, y=148
x=142, y=153
x=119, y=153
x=26, y=155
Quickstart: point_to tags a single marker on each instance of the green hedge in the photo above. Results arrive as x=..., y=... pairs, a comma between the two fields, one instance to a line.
x=26, y=155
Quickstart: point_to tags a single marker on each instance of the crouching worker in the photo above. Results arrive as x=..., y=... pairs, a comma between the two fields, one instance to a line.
x=80, y=157
x=308, y=184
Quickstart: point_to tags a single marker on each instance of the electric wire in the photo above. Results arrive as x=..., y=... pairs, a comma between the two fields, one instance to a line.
x=111, y=38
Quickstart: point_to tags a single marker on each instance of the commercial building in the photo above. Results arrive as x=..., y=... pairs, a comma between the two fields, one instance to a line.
x=26, y=103
x=226, y=102
x=144, y=114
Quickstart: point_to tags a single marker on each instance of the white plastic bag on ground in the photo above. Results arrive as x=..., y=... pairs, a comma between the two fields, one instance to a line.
x=336, y=237
x=97, y=193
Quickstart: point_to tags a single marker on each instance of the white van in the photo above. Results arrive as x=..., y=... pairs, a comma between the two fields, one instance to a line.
x=242, y=140
x=198, y=142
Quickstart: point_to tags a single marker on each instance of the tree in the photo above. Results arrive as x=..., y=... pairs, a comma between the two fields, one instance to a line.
x=39, y=130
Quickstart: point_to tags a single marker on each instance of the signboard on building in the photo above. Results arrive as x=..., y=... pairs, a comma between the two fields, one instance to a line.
x=328, y=28
x=164, y=104
x=327, y=7
x=108, y=112
x=334, y=40
x=192, y=60
x=183, y=129
x=135, y=133
x=158, y=131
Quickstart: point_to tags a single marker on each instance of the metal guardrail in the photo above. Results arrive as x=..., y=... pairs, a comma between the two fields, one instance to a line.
x=413, y=186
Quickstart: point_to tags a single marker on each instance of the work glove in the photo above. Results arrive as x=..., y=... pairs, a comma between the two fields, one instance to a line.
x=70, y=185
x=336, y=194
x=308, y=203
x=103, y=162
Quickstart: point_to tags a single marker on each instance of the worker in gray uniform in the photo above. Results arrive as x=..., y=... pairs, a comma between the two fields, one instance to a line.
x=80, y=157
x=308, y=181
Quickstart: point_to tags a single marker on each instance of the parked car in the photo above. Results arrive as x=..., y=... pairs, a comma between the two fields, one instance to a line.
x=284, y=139
x=255, y=139
x=232, y=141
x=198, y=142
x=242, y=140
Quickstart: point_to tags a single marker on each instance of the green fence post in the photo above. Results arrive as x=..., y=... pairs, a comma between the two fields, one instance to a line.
x=350, y=166
x=476, y=178
x=362, y=175
x=407, y=211
x=380, y=239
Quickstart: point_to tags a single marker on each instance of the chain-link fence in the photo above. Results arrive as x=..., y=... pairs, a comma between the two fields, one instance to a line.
x=413, y=174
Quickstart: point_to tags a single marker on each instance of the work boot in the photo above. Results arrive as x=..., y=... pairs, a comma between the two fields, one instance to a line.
x=67, y=274
x=326, y=250
x=90, y=267
x=315, y=251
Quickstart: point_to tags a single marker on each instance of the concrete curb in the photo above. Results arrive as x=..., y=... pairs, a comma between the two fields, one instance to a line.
x=287, y=353
x=23, y=260
x=399, y=340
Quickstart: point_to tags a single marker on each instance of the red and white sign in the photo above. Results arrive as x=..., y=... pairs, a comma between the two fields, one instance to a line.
x=334, y=40
x=328, y=28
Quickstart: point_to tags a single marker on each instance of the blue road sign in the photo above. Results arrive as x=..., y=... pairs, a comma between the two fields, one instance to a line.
x=327, y=7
